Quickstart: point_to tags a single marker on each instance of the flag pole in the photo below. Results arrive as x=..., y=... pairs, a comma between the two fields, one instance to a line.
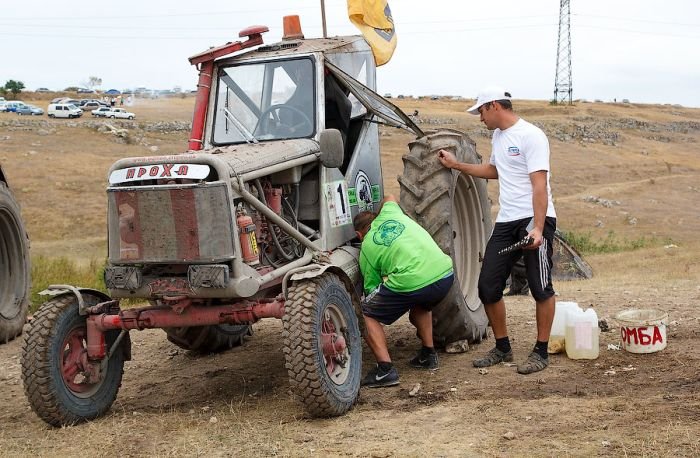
x=323, y=18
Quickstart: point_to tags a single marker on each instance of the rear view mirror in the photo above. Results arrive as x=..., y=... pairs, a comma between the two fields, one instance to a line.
x=332, y=148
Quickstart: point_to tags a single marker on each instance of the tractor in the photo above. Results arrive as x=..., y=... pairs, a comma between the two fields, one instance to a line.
x=254, y=221
x=14, y=265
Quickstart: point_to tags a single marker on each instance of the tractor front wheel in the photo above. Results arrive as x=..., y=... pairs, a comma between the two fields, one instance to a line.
x=54, y=372
x=322, y=345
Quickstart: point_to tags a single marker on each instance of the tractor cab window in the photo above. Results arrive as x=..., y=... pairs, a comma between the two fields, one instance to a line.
x=265, y=101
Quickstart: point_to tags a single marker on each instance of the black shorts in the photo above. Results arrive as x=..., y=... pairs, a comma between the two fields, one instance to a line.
x=496, y=268
x=387, y=306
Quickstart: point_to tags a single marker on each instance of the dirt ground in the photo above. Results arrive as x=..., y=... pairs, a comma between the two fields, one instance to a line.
x=623, y=171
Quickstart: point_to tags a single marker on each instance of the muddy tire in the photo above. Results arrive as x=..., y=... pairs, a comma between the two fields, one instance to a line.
x=52, y=371
x=327, y=385
x=454, y=208
x=14, y=267
x=209, y=339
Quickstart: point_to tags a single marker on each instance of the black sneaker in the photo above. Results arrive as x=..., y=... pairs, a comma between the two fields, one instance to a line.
x=425, y=361
x=376, y=378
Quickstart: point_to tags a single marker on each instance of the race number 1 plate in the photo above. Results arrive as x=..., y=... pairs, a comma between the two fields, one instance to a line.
x=338, y=203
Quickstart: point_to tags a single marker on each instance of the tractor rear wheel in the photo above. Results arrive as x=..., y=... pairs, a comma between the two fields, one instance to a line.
x=322, y=345
x=209, y=339
x=14, y=267
x=454, y=208
x=54, y=354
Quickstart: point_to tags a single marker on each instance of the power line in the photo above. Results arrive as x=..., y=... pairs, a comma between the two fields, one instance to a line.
x=234, y=29
x=7, y=23
x=180, y=37
x=639, y=32
x=632, y=19
x=151, y=16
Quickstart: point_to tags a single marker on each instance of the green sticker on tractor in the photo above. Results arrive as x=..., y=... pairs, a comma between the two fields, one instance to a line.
x=376, y=193
x=352, y=196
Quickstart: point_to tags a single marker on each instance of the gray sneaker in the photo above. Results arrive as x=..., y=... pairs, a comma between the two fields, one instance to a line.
x=533, y=363
x=493, y=357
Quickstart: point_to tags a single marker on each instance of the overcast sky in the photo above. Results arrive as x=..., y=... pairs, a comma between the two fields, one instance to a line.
x=644, y=50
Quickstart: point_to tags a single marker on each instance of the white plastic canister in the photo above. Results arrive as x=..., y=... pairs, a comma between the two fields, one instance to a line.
x=557, y=335
x=642, y=331
x=582, y=334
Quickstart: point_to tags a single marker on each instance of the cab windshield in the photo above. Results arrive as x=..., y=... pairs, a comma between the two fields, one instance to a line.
x=265, y=101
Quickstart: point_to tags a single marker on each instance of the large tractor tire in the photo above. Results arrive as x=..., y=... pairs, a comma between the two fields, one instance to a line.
x=209, y=339
x=14, y=267
x=53, y=354
x=319, y=313
x=455, y=209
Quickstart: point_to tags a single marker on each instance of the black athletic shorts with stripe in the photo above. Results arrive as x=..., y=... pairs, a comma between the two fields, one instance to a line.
x=387, y=306
x=496, y=268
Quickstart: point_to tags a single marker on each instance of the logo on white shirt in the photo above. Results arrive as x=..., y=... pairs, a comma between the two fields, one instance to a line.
x=513, y=151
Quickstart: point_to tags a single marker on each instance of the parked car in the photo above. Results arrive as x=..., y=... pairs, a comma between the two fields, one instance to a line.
x=83, y=90
x=101, y=112
x=99, y=102
x=12, y=105
x=43, y=89
x=71, y=101
x=29, y=110
x=64, y=110
x=3, y=105
x=119, y=113
x=91, y=105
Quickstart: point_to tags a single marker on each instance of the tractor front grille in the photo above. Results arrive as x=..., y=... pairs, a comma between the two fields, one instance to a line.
x=170, y=224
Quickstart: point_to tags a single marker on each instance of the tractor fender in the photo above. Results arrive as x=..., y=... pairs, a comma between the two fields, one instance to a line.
x=58, y=290
x=348, y=271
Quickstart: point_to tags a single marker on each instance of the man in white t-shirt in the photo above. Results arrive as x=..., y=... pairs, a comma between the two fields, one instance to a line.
x=520, y=161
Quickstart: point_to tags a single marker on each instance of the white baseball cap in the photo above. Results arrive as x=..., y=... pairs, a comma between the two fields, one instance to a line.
x=487, y=95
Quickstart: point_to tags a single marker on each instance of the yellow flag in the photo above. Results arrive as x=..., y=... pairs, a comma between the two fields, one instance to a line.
x=373, y=18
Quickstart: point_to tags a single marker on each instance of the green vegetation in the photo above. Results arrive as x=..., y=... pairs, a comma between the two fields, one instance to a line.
x=585, y=244
x=64, y=271
x=13, y=86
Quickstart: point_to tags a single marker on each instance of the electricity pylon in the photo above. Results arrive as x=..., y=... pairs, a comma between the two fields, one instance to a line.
x=563, y=89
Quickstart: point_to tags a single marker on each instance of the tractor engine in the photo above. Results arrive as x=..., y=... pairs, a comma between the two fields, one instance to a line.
x=263, y=243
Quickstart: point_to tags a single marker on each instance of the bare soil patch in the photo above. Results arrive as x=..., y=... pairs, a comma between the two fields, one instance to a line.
x=175, y=403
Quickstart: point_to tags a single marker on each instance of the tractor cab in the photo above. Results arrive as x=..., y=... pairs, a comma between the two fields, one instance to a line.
x=298, y=88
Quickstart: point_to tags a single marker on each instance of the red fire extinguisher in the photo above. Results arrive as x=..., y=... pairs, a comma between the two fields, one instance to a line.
x=249, y=244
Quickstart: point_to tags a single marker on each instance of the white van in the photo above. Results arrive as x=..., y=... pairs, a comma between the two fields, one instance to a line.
x=64, y=110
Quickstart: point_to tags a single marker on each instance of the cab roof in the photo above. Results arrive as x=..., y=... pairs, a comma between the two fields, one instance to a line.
x=331, y=45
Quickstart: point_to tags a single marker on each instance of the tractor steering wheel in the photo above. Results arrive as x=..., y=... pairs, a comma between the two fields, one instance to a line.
x=270, y=122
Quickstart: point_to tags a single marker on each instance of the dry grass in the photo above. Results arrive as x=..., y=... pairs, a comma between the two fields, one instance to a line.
x=166, y=404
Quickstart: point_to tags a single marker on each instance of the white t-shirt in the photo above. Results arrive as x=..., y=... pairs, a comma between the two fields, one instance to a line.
x=517, y=152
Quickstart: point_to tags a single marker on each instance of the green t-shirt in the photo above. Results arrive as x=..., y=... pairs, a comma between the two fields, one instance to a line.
x=398, y=248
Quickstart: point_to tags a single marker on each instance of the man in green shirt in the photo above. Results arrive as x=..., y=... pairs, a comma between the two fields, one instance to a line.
x=404, y=270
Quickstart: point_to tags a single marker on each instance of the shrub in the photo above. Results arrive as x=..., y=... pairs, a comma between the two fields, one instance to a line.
x=585, y=244
x=64, y=271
